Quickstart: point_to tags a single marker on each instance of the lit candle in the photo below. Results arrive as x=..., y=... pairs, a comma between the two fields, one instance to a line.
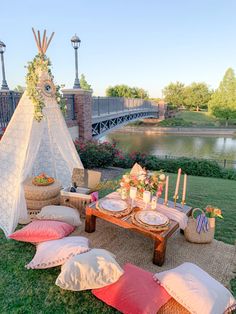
x=177, y=183
x=154, y=203
x=166, y=190
x=184, y=189
x=132, y=194
x=146, y=197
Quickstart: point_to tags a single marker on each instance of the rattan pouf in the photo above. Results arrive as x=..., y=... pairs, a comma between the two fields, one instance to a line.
x=39, y=196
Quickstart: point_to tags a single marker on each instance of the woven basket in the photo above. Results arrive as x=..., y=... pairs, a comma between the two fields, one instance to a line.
x=41, y=193
x=76, y=200
x=37, y=205
x=191, y=233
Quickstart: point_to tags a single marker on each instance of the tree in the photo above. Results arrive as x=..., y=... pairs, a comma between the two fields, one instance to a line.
x=174, y=94
x=19, y=89
x=84, y=84
x=223, y=101
x=126, y=91
x=197, y=96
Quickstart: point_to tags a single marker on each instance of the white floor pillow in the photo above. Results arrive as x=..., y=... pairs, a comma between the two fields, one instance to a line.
x=57, y=252
x=60, y=213
x=94, y=269
x=194, y=289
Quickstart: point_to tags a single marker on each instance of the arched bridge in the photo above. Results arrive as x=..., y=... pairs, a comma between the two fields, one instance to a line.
x=109, y=113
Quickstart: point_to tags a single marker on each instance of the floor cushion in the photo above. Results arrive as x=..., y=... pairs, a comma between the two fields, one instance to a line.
x=57, y=252
x=94, y=269
x=194, y=289
x=60, y=213
x=42, y=230
x=134, y=293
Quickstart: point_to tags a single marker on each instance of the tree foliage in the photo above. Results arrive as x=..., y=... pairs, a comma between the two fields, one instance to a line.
x=174, y=94
x=126, y=91
x=223, y=101
x=197, y=96
x=19, y=89
x=84, y=84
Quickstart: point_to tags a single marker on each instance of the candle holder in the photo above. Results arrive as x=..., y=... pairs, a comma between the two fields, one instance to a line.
x=183, y=202
x=175, y=200
x=165, y=203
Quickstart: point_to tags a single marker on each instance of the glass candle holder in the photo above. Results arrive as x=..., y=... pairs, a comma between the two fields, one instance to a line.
x=133, y=194
x=146, y=198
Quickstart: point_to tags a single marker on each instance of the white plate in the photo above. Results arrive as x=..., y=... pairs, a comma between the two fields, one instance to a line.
x=113, y=205
x=152, y=218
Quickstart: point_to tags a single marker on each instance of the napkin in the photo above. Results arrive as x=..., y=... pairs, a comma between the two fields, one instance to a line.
x=173, y=214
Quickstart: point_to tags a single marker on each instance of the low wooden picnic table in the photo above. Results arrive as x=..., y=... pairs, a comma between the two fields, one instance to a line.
x=160, y=237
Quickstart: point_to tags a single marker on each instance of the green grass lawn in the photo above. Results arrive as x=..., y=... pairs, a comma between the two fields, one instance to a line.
x=34, y=291
x=197, y=118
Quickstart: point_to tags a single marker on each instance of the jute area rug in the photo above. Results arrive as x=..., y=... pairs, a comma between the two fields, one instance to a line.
x=216, y=258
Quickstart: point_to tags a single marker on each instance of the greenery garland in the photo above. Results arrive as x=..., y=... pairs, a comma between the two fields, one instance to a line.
x=41, y=63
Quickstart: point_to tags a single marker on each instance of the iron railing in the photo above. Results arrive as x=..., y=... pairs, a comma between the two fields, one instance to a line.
x=8, y=103
x=111, y=105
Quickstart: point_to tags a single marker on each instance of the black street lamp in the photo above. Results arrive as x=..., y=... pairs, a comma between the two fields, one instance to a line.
x=4, y=82
x=75, y=41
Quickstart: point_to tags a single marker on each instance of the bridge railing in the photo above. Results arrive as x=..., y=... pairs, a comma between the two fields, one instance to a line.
x=8, y=103
x=110, y=105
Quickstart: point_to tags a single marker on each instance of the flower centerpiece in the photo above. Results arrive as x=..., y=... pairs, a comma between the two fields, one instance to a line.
x=213, y=212
x=143, y=180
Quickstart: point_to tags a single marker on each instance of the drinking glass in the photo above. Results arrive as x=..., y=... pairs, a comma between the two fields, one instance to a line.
x=154, y=203
x=132, y=194
x=146, y=198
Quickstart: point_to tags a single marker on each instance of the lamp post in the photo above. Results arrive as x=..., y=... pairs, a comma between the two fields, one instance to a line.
x=75, y=41
x=4, y=82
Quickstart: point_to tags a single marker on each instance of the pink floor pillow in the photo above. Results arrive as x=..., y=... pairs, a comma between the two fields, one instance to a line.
x=134, y=293
x=42, y=230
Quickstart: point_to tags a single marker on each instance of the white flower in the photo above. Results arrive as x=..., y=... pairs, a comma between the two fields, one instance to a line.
x=162, y=177
x=142, y=177
x=122, y=184
x=127, y=180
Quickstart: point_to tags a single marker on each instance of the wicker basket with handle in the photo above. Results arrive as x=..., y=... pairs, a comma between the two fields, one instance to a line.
x=191, y=233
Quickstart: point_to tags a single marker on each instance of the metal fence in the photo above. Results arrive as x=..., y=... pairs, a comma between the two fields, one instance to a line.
x=8, y=103
x=225, y=163
x=113, y=105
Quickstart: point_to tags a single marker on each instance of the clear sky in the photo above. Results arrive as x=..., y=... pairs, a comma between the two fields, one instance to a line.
x=140, y=43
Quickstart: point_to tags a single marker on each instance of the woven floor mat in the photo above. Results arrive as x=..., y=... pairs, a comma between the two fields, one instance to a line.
x=216, y=258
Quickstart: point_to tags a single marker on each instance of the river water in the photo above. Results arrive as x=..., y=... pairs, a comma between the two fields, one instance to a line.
x=201, y=146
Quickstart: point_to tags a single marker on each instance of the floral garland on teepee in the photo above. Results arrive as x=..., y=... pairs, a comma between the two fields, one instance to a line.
x=40, y=62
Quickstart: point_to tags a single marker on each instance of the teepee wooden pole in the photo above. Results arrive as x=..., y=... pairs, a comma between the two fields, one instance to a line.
x=35, y=37
x=44, y=41
x=40, y=45
x=50, y=40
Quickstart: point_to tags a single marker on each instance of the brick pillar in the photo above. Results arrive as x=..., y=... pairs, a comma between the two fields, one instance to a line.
x=83, y=111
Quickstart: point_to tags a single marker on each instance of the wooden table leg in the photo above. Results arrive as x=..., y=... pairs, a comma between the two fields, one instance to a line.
x=159, y=252
x=90, y=223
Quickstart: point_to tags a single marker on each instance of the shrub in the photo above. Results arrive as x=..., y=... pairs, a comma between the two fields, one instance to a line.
x=229, y=174
x=95, y=154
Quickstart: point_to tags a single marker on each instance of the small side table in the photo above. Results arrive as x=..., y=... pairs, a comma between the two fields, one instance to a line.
x=39, y=196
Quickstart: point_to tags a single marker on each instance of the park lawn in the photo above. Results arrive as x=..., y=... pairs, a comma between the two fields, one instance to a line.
x=198, y=118
x=34, y=291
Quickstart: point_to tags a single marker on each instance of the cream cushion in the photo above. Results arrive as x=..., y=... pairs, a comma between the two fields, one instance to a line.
x=94, y=269
x=57, y=252
x=195, y=290
x=60, y=213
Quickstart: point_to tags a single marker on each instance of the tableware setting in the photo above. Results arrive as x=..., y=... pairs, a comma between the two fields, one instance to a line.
x=151, y=220
x=114, y=207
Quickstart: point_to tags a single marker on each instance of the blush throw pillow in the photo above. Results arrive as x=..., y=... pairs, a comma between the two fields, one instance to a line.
x=40, y=231
x=134, y=293
x=57, y=252
x=60, y=213
x=194, y=289
x=94, y=269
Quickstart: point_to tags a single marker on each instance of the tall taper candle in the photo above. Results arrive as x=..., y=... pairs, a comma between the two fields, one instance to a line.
x=166, y=190
x=177, y=183
x=184, y=189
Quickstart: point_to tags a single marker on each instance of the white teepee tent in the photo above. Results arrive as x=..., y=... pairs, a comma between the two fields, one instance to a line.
x=30, y=147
